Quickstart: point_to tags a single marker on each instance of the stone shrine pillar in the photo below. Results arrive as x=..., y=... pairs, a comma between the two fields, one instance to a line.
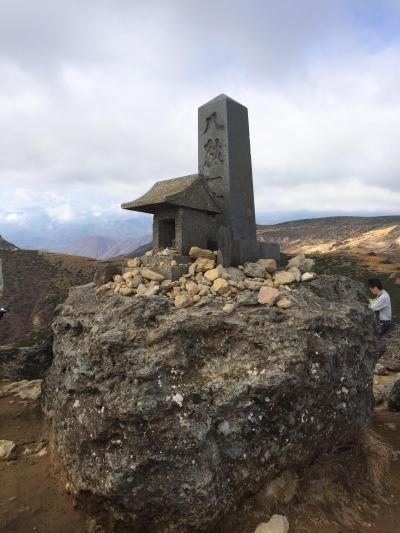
x=225, y=162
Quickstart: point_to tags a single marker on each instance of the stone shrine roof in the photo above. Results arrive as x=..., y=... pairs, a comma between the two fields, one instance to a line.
x=5, y=245
x=187, y=191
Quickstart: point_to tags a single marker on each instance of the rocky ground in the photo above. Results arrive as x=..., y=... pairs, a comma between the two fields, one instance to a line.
x=32, y=496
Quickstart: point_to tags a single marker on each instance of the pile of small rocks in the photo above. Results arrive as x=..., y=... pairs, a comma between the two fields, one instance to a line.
x=249, y=284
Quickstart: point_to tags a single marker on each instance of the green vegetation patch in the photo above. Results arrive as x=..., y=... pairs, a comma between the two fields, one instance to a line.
x=343, y=265
x=31, y=340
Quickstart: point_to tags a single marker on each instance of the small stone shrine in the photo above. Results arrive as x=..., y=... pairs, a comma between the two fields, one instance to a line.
x=213, y=209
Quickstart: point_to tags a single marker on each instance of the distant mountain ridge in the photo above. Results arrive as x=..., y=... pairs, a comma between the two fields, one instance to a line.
x=332, y=234
x=42, y=233
x=101, y=247
x=312, y=235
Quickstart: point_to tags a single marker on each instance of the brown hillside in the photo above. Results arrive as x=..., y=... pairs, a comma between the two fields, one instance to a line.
x=34, y=283
x=336, y=234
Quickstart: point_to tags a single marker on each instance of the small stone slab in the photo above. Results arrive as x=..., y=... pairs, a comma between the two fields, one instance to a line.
x=214, y=273
x=195, y=251
x=303, y=263
x=255, y=270
x=270, y=265
x=278, y=524
x=268, y=296
x=183, y=300
x=246, y=298
x=26, y=390
x=284, y=278
x=150, y=274
x=220, y=286
x=7, y=448
x=284, y=303
x=308, y=276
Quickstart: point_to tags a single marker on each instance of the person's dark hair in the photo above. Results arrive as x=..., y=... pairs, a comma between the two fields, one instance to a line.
x=375, y=282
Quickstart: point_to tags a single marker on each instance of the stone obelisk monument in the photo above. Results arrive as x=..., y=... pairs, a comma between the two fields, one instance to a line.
x=225, y=162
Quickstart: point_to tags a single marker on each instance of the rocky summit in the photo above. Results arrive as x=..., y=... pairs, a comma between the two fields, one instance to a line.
x=165, y=416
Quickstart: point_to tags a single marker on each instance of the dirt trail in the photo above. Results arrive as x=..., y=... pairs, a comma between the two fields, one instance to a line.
x=383, y=517
x=31, y=496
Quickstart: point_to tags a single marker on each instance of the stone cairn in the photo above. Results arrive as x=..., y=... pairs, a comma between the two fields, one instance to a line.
x=205, y=281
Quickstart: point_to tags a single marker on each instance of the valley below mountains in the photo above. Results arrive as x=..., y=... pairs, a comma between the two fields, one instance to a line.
x=100, y=247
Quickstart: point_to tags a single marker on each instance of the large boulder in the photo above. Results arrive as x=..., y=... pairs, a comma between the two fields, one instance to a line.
x=165, y=418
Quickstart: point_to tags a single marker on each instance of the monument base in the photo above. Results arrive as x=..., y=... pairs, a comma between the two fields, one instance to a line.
x=162, y=265
x=270, y=250
x=239, y=253
x=246, y=250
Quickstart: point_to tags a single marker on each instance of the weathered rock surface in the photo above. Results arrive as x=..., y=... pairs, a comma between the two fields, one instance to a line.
x=394, y=397
x=166, y=418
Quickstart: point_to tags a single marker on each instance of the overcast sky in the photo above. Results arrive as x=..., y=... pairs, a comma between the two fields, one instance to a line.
x=98, y=99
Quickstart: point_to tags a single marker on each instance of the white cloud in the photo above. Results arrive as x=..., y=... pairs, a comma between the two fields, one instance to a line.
x=13, y=217
x=61, y=213
x=93, y=113
x=343, y=196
